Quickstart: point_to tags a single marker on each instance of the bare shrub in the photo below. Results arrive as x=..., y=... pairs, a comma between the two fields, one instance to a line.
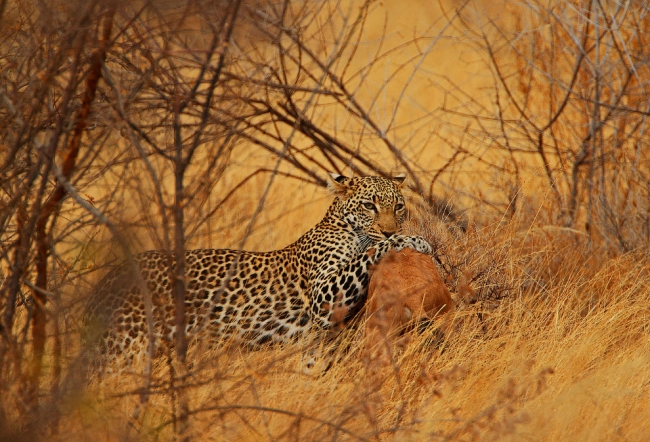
x=566, y=109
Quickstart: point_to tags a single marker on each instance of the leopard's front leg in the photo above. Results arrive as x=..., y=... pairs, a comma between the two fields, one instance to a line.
x=338, y=290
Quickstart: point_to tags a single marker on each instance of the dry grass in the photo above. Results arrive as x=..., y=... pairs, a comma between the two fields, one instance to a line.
x=563, y=357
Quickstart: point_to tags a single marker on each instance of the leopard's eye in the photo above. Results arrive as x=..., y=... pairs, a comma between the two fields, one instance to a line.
x=398, y=207
x=369, y=206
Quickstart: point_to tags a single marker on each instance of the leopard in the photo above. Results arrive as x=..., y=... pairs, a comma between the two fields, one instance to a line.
x=258, y=297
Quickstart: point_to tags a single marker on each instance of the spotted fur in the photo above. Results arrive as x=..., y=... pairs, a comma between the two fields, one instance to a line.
x=257, y=297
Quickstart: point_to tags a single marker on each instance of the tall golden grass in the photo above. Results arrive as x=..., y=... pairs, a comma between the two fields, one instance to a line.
x=564, y=357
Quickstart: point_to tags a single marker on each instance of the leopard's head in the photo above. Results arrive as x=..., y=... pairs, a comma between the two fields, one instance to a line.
x=372, y=204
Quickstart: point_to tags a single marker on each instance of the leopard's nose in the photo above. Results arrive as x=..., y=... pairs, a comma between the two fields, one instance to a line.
x=388, y=234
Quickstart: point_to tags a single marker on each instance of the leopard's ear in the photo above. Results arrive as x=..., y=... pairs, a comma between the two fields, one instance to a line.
x=338, y=184
x=400, y=179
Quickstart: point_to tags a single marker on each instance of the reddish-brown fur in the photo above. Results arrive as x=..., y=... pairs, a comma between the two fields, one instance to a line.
x=406, y=286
